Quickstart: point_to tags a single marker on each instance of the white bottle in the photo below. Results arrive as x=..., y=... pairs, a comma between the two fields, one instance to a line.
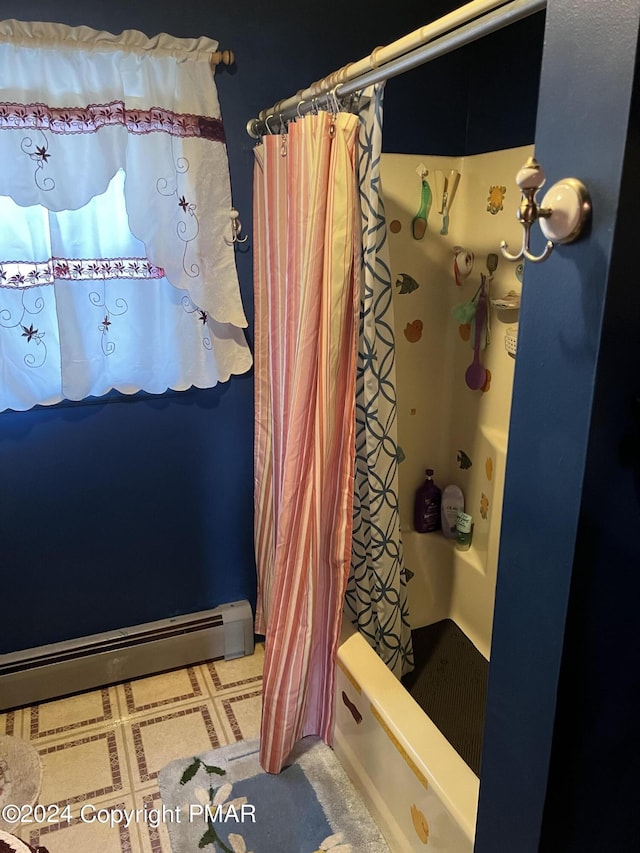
x=451, y=504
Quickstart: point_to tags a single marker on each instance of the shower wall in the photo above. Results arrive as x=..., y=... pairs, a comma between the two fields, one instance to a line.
x=442, y=423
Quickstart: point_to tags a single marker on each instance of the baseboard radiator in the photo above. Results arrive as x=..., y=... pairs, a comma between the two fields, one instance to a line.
x=59, y=669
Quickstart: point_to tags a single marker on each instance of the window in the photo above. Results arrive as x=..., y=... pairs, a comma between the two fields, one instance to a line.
x=115, y=266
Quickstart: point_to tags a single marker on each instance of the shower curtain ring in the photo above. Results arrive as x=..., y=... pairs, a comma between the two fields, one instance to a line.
x=266, y=123
x=334, y=98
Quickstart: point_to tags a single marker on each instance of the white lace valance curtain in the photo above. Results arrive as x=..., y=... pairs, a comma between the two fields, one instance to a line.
x=114, y=268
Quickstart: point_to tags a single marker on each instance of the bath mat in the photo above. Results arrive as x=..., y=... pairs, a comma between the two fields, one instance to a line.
x=449, y=683
x=20, y=774
x=311, y=806
x=10, y=844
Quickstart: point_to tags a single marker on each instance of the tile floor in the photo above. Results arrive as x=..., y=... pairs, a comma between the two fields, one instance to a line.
x=105, y=748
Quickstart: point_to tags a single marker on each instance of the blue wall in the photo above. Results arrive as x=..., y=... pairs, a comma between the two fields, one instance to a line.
x=123, y=510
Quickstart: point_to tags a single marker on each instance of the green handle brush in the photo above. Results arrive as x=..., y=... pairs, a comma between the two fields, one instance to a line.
x=419, y=223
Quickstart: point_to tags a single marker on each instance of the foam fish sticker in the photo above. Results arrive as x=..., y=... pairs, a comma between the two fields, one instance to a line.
x=400, y=454
x=488, y=467
x=484, y=506
x=407, y=573
x=413, y=331
x=406, y=283
x=463, y=460
x=495, y=199
x=353, y=710
x=420, y=824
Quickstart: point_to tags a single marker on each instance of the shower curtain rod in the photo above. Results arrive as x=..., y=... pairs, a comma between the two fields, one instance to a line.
x=465, y=25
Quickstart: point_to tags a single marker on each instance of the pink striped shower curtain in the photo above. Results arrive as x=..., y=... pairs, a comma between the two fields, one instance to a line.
x=306, y=273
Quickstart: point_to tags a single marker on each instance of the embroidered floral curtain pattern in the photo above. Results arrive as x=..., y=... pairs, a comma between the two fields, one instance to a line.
x=115, y=205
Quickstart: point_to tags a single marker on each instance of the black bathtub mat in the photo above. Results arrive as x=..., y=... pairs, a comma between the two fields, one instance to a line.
x=449, y=683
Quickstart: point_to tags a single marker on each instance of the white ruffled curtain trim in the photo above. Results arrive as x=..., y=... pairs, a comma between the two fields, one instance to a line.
x=48, y=35
x=78, y=108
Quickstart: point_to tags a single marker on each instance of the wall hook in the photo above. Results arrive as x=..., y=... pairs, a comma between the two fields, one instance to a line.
x=236, y=228
x=563, y=212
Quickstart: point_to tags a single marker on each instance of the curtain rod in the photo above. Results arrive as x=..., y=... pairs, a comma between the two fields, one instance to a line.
x=464, y=26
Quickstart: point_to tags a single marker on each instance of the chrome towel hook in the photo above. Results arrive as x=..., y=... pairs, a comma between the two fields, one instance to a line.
x=563, y=213
x=236, y=228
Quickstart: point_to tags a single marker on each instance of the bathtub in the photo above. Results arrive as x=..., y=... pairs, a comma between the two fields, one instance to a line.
x=417, y=787
x=413, y=782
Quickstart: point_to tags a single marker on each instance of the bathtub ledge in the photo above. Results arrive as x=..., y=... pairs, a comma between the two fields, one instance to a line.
x=446, y=773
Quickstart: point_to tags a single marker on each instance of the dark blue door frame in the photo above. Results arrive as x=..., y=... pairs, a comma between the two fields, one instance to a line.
x=563, y=374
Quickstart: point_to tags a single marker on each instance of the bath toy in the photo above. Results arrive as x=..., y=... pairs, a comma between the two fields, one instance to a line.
x=462, y=263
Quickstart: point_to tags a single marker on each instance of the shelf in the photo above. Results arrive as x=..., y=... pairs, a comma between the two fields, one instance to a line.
x=510, y=302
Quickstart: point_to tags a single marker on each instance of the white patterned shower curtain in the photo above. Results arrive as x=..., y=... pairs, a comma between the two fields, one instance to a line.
x=376, y=598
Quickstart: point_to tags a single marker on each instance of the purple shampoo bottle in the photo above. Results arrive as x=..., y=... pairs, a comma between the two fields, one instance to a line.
x=426, y=510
